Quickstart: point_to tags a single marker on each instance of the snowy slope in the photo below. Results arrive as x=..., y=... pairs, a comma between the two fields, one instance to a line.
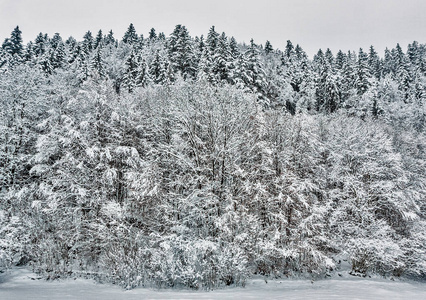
x=20, y=284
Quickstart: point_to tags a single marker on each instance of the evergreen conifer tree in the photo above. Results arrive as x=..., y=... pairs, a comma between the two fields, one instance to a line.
x=329, y=57
x=55, y=40
x=73, y=47
x=233, y=46
x=39, y=45
x=251, y=70
x=157, y=69
x=318, y=61
x=300, y=53
x=130, y=37
x=221, y=60
x=374, y=63
x=289, y=50
x=181, y=54
x=99, y=39
x=388, y=65
x=82, y=65
x=88, y=42
x=29, y=54
x=131, y=72
x=404, y=77
x=142, y=78
x=109, y=39
x=152, y=35
x=340, y=60
x=45, y=63
x=13, y=45
x=328, y=96
x=212, y=39
x=268, y=48
x=58, y=55
x=204, y=73
x=398, y=56
x=98, y=64
x=161, y=36
x=362, y=73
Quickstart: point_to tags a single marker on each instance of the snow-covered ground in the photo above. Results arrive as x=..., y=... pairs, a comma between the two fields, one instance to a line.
x=22, y=284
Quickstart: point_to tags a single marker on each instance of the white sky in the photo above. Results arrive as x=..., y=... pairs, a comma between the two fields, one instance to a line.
x=314, y=24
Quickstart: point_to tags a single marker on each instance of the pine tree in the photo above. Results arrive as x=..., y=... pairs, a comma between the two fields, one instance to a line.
x=55, y=40
x=82, y=65
x=57, y=55
x=71, y=43
x=142, y=78
x=348, y=77
x=13, y=45
x=73, y=49
x=404, y=77
x=199, y=47
x=300, y=53
x=318, y=60
x=362, y=73
x=152, y=35
x=289, y=50
x=340, y=60
x=109, y=39
x=131, y=72
x=328, y=95
x=374, y=63
x=329, y=57
x=204, y=73
x=221, y=60
x=200, y=44
x=414, y=53
x=398, y=56
x=98, y=64
x=157, y=69
x=39, y=44
x=130, y=37
x=141, y=42
x=233, y=46
x=297, y=69
x=99, y=39
x=28, y=54
x=161, y=36
x=268, y=48
x=88, y=42
x=212, y=40
x=252, y=72
x=181, y=55
x=388, y=64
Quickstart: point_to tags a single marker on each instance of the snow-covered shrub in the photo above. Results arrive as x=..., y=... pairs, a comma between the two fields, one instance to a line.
x=198, y=264
x=5, y=242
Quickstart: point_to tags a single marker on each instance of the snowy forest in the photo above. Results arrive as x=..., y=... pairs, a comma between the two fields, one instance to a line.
x=198, y=162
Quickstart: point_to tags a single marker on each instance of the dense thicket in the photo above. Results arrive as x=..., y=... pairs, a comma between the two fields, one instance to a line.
x=198, y=162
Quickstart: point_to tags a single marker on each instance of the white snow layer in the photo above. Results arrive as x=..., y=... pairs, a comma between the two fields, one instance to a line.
x=21, y=284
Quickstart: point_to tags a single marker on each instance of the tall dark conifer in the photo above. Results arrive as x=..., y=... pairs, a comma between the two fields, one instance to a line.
x=13, y=45
x=99, y=39
x=88, y=42
x=212, y=39
x=362, y=73
x=130, y=36
x=152, y=35
x=268, y=47
x=110, y=39
x=374, y=63
x=39, y=44
x=181, y=54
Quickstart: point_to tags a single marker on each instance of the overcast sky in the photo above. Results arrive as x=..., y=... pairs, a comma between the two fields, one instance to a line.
x=314, y=24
